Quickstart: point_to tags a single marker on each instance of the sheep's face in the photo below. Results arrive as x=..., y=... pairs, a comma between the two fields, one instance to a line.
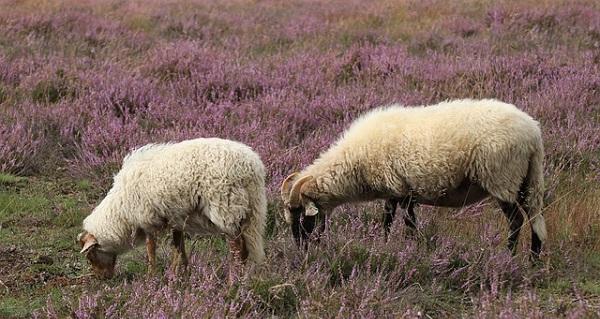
x=298, y=211
x=102, y=262
x=293, y=213
x=302, y=225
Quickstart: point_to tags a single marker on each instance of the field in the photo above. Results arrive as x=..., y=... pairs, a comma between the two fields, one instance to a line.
x=84, y=82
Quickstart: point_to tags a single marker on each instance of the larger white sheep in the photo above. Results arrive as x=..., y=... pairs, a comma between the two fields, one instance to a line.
x=451, y=154
x=203, y=186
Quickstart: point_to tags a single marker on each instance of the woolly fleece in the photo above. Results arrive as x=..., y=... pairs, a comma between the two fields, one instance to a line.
x=204, y=186
x=427, y=151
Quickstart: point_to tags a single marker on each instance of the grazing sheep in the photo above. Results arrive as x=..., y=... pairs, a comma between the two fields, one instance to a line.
x=202, y=186
x=451, y=154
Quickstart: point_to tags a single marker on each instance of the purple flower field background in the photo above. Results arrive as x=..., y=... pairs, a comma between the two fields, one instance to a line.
x=84, y=82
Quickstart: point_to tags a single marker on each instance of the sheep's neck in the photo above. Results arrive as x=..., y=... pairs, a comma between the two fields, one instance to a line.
x=113, y=229
x=341, y=185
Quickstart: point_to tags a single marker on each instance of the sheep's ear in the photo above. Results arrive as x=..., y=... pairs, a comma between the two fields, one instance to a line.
x=310, y=209
x=88, y=241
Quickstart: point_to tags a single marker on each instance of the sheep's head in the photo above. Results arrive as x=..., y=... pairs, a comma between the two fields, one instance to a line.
x=103, y=263
x=299, y=210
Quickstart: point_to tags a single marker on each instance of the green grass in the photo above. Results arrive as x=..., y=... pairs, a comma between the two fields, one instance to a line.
x=18, y=208
x=70, y=214
x=135, y=266
x=591, y=287
x=11, y=307
x=39, y=220
x=84, y=185
x=23, y=304
x=8, y=179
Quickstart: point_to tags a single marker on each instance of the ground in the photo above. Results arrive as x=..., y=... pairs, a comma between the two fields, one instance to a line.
x=39, y=259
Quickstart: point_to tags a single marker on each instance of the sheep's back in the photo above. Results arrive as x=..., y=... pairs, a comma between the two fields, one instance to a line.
x=180, y=176
x=456, y=122
x=432, y=147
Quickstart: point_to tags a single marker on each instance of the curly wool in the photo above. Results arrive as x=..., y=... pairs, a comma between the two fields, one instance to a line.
x=426, y=151
x=204, y=186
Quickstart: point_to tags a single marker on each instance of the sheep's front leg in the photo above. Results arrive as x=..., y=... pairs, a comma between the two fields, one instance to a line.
x=151, y=251
x=323, y=221
x=410, y=220
x=179, y=256
x=239, y=254
x=389, y=214
x=409, y=217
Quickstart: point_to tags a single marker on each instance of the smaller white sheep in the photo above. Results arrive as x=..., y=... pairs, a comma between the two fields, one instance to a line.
x=451, y=154
x=202, y=187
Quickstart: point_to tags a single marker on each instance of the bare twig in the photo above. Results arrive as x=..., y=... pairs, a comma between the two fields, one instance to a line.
x=82, y=276
x=5, y=287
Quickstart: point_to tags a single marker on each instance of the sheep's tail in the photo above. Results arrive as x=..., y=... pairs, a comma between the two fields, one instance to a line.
x=253, y=229
x=534, y=192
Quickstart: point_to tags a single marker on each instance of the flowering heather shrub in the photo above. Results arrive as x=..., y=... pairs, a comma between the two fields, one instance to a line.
x=20, y=146
x=82, y=83
x=354, y=272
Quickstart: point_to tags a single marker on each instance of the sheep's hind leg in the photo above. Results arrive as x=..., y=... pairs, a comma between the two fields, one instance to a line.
x=238, y=249
x=515, y=220
x=536, y=247
x=239, y=254
x=151, y=251
x=536, y=242
x=389, y=214
x=179, y=256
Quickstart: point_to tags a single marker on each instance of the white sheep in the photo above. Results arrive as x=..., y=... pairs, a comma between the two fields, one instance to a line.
x=205, y=186
x=451, y=154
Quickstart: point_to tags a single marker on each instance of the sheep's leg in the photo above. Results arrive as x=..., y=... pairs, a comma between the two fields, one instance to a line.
x=151, y=251
x=323, y=223
x=536, y=242
x=409, y=216
x=515, y=220
x=179, y=256
x=322, y=226
x=536, y=246
x=239, y=254
x=237, y=247
x=390, y=212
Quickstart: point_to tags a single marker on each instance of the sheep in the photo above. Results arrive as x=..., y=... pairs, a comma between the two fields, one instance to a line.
x=452, y=154
x=204, y=186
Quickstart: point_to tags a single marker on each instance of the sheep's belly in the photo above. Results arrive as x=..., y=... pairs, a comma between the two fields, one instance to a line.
x=200, y=225
x=466, y=193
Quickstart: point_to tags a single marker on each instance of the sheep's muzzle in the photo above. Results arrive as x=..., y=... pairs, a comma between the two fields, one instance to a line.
x=103, y=264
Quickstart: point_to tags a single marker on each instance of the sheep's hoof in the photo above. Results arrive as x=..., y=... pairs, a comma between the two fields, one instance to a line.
x=536, y=261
